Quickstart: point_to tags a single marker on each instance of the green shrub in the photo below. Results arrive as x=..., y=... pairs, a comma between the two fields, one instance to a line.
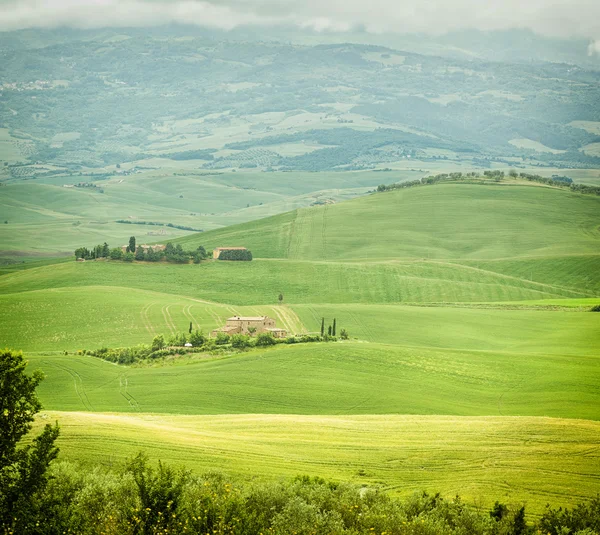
x=240, y=341
x=158, y=342
x=116, y=253
x=265, y=339
x=197, y=338
x=177, y=340
x=221, y=339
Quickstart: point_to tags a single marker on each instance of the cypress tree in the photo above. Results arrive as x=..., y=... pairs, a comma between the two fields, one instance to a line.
x=329, y=330
x=333, y=330
x=322, y=326
x=190, y=331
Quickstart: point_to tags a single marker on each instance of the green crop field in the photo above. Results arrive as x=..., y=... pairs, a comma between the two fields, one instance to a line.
x=516, y=460
x=344, y=378
x=472, y=366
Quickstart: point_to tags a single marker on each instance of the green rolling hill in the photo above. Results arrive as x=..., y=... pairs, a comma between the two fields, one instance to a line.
x=462, y=301
x=448, y=221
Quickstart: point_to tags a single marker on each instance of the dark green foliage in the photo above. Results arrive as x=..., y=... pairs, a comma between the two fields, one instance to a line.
x=322, y=326
x=153, y=256
x=222, y=339
x=519, y=524
x=196, y=338
x=23, y=471
x=156, y=224
x=497, y=176
x=235, y=255
x=265, y=339
x=177, y=255
x=116, y=253
x=128, y=257
x=98, y=251
x=344, y=334
x=240, y=341
x=150, y=499
x=177, y=340
x=131, y=246
x=333, y=328
x=571, y=521
x=499, y=511
x=202, y=154
x=139, y=254
x=595, y=308
x=158, y=342
x=159, y=491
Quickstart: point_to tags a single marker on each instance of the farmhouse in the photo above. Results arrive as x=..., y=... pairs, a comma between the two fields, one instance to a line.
x=217, y=252
x=251, y=325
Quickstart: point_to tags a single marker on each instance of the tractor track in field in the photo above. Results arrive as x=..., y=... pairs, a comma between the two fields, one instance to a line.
x=77, y=383
x=280, y=317
x=214, y=315
x=324, y=233
x=296, y=234
x=188, y=315
x=123, y=385
x=290, y=319
x=193, y=317
x=168, y=319
x=146, y=319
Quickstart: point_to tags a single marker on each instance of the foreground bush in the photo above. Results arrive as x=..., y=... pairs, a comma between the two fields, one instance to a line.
x=148, y=499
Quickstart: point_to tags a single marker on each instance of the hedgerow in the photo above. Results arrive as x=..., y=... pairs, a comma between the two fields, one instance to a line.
x=143, y=498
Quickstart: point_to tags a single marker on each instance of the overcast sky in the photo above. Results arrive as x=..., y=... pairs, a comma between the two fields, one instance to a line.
x=561, y=18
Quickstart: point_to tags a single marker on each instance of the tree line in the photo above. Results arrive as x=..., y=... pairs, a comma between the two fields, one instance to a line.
x=331, y=332
x=41, y=496
x=171, y=253
x=195, y=341
x=497, y=176
x=157, y=224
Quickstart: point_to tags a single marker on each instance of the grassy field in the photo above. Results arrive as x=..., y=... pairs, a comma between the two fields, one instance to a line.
x=68, y=319
x=515, y=460
x=43, y=216
x=260, y=281
x=442, y=222
x=343, y=378
x=473, y=365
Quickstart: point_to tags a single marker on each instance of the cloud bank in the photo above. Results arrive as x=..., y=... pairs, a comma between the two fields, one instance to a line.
x=558, y=18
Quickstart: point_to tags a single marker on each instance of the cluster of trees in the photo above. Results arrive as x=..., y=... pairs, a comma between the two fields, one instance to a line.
x=171, y=253
x=236, y=254
x=196, y=341
x=498, y=176
x=331, y=332
x=99, y=251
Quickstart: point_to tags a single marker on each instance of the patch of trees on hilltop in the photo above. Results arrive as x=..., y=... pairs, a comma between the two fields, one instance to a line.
x=496, y=176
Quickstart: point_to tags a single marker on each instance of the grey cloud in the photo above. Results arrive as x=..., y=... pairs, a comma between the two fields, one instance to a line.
x=562, y=18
